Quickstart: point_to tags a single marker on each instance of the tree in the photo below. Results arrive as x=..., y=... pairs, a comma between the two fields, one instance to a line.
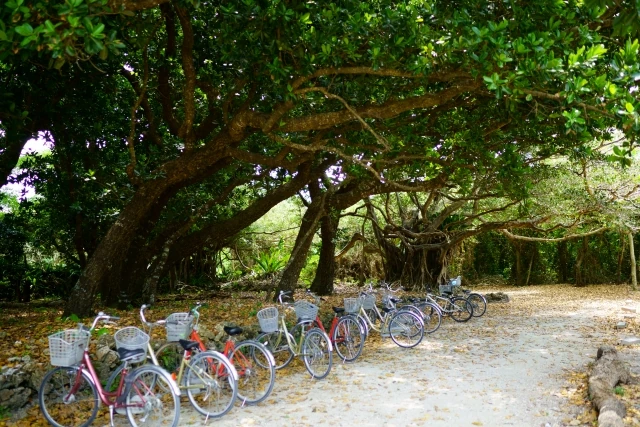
x=396, y=92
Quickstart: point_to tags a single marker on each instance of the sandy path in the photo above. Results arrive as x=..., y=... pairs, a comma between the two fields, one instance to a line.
x=508, y=368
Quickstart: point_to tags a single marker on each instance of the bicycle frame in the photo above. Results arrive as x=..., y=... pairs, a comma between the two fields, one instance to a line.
x=384, y=320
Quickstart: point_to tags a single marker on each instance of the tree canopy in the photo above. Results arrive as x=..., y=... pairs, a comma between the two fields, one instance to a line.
x=163, y=112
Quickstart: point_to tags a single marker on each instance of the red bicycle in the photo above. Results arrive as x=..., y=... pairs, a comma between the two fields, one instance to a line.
x=253, y=361
x=345, y=332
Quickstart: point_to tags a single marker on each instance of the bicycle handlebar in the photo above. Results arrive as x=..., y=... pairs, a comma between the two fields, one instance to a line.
x=101, y=316
x=315, y=297
x=144, y=319
x=283, y=294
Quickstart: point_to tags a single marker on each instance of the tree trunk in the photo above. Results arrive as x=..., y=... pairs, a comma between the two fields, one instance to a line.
x=623, y=250
x=291, y=273
x=518, y=263
x=608, y=371
x=582, y=254
x=138, y=215
x=563, y=261
x=632, y=258
x=326, y=270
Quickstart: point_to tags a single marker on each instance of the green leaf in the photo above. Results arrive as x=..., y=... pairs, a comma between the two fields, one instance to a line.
x=24, y=30
x=529, y=97
x=629, y=107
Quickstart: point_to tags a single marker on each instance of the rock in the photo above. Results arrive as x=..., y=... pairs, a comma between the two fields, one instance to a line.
x=106, y=340
x=497, y=297
x=621, y=325
x=630, y=340
x=629, y=309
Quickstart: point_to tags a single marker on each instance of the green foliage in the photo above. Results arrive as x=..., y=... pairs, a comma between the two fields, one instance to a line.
x=309, y=270
x=271, y=261
x=5, y=413
x=619, y=390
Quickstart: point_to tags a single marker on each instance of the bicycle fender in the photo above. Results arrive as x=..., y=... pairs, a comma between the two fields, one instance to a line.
x=234, y=372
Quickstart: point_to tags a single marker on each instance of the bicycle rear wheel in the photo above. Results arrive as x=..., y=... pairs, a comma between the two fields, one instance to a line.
x=256, y=371
x=317, y=353
x=460, y=309
x=348, y=339
x=431, y=316
x=406, y=329
x=211, y=383
x=151, y=399
x=276, y=342
x=63, y=409
x=479, y=304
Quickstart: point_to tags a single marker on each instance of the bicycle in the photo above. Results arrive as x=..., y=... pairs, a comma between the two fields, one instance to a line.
x=478, y=301
x=208, y=377
x=458, y=308
x=403, y=326
x=71, y=393
x=429, y=312
x=311, y=344
x=253, y=362
x=345, y=332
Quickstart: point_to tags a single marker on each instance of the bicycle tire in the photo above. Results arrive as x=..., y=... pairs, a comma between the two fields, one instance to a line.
x=479, y=304
x=364, y=326
x=460, y=309
x=150, y=397
x=211, y=383
x=276, y=343
x=431, y=316
x=348, y=338
x=55, y=386
x=413, y=309
x=406, y=329
x=256, y=371
x=317, y=353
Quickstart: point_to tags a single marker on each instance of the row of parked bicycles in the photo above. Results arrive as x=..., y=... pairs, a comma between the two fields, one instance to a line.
x=148, y=384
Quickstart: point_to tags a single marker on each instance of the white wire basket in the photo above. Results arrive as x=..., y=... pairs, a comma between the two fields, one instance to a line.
x=352, y=305
x=178, y=326
x=67, y=347
x=306, y=310
x=132, y=338
x=445, y=289
x=268, y=319
x=369, y=302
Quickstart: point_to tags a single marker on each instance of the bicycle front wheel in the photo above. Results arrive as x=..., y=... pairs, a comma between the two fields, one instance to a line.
x=276, y=342
x=68, y=399
x=406, y=329
x=348, y=338
x=151, y=399
x=256, y=371
x=460, y=309
x=479, y=304
x=211, y=383
x=317, y=353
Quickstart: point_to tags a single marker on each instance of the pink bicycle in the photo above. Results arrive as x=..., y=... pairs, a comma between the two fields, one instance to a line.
x=70, y=394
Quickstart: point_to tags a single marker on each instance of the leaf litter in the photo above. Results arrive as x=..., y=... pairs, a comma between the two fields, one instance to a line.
x=523, y=363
